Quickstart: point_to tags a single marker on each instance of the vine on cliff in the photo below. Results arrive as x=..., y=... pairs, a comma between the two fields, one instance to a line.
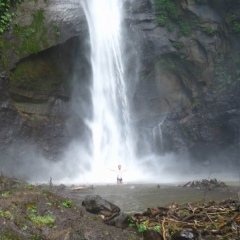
x=167, y=10
x=235, y=24
x=6, y=16
x=32, y=38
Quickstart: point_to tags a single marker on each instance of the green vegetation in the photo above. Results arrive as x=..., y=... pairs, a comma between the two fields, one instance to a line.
x=5, y=214
x=161, y=20
x=196, y=102
x=170, y=27
x=37, y=74
x=238, y=72
x=32, y=38
x=36, y=237
x=4, y=48
x=47, y=194
x=168, y=62
x=235, y=22
x=8, y=13
x=6, y=16
x=209, y=31
x=167, y=7
x=40, y=221
x=237, y=60
x=30, y=187
x=185, y=28
x=227, y=71
x=131, y=222
x=28, y=39
x=168, y=16
x=32, y=208
x=25, y=227
x=177, y=44
x=5, y=194
x=67, y=204
x=56, y=29
x=9, y=234
x=167, y=11
x=142, y=227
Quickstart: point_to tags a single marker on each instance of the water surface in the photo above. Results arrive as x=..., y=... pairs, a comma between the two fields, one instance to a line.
x=138, y=197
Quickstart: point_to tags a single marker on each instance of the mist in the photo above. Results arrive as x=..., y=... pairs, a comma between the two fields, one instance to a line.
x=74, y=167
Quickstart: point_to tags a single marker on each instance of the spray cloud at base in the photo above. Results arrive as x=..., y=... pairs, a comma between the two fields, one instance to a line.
x=170, y=168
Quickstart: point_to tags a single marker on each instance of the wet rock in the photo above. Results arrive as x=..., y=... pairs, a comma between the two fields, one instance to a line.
x=152, y=235
x=208, y=184
x=185, y=234
x=119, y=220
x=61, y=187
x=95, y=204
x=203, y=11
x=140, y=6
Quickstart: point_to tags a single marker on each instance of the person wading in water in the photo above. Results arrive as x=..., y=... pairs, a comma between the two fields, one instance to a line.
x=119, y=174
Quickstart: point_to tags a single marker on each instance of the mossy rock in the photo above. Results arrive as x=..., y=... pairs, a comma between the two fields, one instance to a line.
x=10, y=234
x=32, y=38
x=38, y=73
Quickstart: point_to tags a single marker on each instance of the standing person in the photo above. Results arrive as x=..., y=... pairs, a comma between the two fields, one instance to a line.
x=119, y=174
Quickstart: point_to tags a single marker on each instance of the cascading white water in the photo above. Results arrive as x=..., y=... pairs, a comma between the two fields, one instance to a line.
x=157, y=136
x=109, y=126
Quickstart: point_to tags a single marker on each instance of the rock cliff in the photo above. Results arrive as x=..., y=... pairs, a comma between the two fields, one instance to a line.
x=185, y=89
x=187, y=97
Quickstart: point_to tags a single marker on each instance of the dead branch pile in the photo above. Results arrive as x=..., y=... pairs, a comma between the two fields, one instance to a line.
x=201, y=221
x=207, y=184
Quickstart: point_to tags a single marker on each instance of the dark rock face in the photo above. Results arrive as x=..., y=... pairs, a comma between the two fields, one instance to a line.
x=187, y=97
x=36, y=86
x=34, y=111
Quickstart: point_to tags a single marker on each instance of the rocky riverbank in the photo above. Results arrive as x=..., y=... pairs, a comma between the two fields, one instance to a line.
x=47, y=212
x=51, y=212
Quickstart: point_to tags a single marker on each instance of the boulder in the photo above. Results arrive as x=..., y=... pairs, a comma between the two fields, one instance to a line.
x=185, y=234
x=152, y=235
x=119, y=220
x=95, y=204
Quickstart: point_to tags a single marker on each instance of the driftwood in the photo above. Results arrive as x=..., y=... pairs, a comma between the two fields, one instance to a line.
x=213, y=220
x=207, y=184
x=79, y=188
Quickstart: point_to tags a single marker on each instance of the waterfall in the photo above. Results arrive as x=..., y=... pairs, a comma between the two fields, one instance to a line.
x=158, y=137
x=111, y=144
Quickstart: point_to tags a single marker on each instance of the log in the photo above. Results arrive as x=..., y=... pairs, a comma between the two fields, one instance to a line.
x=78, y=188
